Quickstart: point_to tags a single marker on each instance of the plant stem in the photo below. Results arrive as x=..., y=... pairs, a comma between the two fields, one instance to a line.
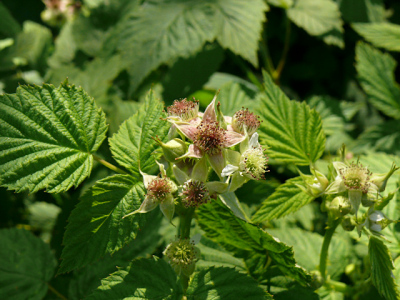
x=57, y=293
x=108, y=165
x=277, y=74
x=337, y=286
x=325, y=247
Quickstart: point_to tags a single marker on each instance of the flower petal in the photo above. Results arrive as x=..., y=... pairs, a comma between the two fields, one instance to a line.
x=229, y=170
x=377, y=216
x=254, y=141
x=147, y=178
x=188, y=130
x=233, y=138
x=336, y=187
x=339, y=165
x=168, y=207
x=209, y=113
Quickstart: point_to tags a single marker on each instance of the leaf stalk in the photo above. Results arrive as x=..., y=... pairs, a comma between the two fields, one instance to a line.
x=108, y=165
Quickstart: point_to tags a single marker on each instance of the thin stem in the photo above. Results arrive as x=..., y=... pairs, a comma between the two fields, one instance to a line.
x=57, y=293
x=108, y=165
x=337, y=286
x=277, y=74
x=325, y=247
x=267, y=57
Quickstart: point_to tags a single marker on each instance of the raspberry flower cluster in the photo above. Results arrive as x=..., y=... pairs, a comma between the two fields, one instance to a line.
x=354, y=188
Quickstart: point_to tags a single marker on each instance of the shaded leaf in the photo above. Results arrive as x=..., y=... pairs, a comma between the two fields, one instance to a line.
x=27, y=264
x=376, y=75
x=132, y=146
x=143, y=279
x=48, y=135
x=363, y=10
x=8, y=25
x=224, y=283
x=96, y=226
x=292, y=131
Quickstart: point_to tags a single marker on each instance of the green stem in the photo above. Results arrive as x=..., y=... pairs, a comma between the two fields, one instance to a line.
x=325, y=247
x=185, y=220
x=267, y=58
x=57, y=293
x=277, y=74
x=108, y=165
x=337, y=286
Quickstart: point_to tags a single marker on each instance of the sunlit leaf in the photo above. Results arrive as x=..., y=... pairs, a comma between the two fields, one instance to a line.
x=383, y=35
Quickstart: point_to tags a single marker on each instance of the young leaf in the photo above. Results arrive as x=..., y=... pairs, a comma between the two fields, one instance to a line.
x=27, y=264
x=133, y=145
x=224, y=283
x=246, y=240
x=319, y=18
x=383, y=35
x=292, y=131
x=376, y=74
x=96, y=226
x=287, y=199
x=382, y=266
x=47, y=137
x=145, y=279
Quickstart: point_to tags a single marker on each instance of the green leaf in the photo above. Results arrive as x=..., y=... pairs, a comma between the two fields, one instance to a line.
x=383, y=137
x=144, y=279
x=233, y=97
x=317, y=17
x=383, y=35
x=382, y=266
x=27, y=264
x=96, y=226
x=246, y=240
x=307, y=247
x=162, y=31
x=287, y=199
x=239, y=26
x=47, y=137
x=224, y=283
x=133, y=145
x=8, y=25
x=376, y=75
x=292, y=131
x=363, y=10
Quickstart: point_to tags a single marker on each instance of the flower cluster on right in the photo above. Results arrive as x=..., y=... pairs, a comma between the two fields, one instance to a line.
x=354, y=186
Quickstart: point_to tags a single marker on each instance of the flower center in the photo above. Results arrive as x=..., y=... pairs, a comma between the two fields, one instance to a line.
x=159, y=188
x=210, y=137
x=245, y=117
x=194, y=193
x=254, y=162
x=184, y=109
x=356, y=177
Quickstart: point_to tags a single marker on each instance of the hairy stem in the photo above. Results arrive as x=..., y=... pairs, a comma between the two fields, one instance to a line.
x=57, y=293
x=185, y=220
x=277, y=74
x=108, y=165
x=325, y=247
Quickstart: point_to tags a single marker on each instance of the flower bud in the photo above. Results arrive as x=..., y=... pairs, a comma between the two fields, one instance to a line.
x=173, y=149
x=380, y=180
x=184, y=109
x=315, y=184
x=339, y=207
x=182, y=256
x=377, y=221
x=348, y=223
x=194, y=193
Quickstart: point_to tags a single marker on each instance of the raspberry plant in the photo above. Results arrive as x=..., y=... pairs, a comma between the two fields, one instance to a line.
x=212, y=183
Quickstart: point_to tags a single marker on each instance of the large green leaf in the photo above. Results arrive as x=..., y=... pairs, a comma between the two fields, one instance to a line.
x=292, y=131
x=96, y=226
x=287, y=199
x=134, y=143
x=382, y=266
x=247, y=241
x=307, y=247
x=47, y=137
x=319, y=18
x=233, y=97
x=224, y=283
x=384, y=35
x=26, y=265
x=376, y=74
x=161, y=31
x=146, y=279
